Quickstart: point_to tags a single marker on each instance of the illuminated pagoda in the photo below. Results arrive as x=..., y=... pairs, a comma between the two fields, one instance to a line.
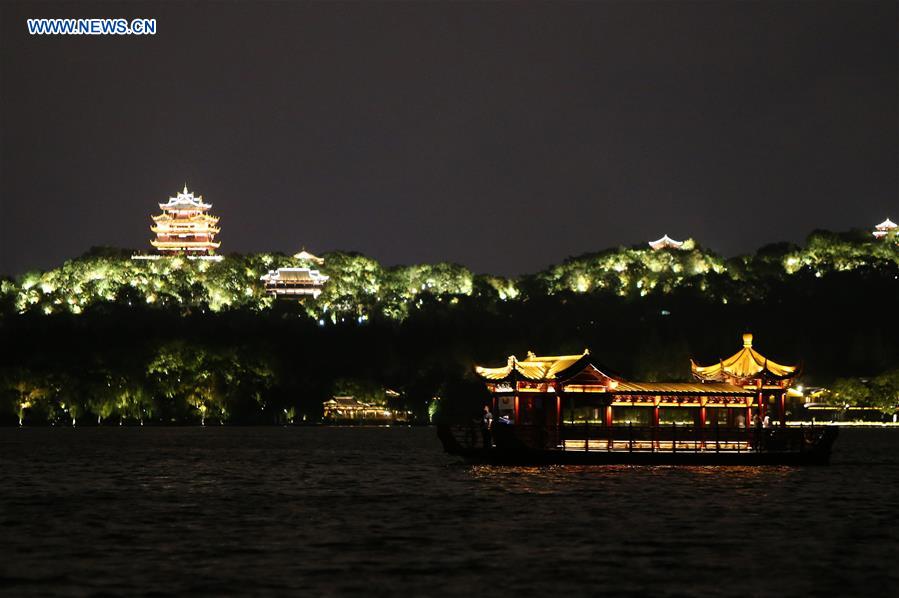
x=665, y=242
x=749, y=369
x=294, y=282
x=886, y=228
x=185, y=226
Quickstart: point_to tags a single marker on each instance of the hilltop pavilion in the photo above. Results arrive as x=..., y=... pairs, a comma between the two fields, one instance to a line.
x=666, y=242
x=294, y=283
x=309, y=257
x=885, y=228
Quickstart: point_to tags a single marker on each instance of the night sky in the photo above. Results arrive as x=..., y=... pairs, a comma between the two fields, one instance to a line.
x=502, y=136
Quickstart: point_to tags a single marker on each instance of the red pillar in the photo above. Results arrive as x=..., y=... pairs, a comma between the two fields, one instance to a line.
x=610, y=443
x=783, y=409
x=655, y=426
x=558, y=411
x=702, y=426
x=515, y=407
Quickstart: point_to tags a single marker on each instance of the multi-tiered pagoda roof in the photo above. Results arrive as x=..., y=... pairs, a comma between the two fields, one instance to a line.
x=185, y=226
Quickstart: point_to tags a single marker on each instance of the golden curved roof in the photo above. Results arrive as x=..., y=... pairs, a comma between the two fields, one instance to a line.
x=532, y=367
x=746, y=363
x=667, y=388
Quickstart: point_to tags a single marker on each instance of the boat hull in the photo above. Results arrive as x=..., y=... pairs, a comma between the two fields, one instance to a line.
x=510, y=451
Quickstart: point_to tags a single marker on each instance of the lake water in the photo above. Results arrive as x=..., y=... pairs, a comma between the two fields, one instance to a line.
x=383, y=511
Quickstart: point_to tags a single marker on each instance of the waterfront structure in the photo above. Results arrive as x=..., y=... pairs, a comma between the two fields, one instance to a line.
x=666, y=242
x=294, y=282
x=348, y=410
x=185, y=226
x=886, y=228
x=749, y=369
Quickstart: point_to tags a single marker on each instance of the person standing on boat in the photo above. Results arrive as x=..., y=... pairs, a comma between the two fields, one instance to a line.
x=487, y=427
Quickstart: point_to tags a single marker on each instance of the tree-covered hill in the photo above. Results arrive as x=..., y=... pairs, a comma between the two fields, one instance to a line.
x=107, y=337
x=361, y=287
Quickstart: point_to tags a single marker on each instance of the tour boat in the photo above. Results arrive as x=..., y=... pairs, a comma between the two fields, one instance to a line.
x=567, y=410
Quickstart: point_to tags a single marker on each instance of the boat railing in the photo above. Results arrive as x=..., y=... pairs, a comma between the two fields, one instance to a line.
x=673, y=438
x=662, y=438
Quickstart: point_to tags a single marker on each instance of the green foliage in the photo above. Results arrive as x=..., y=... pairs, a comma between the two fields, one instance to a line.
x=360, y=289
x=104, y=338
x=363, y=390
x=849, y=392
x=633, y=272
x=827, y=252
x=180, y=382
x=198, y=382
x=881, y=392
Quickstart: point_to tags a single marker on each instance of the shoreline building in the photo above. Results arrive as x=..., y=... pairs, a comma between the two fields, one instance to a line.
x=185, y=226
x=885, y=229
x=349, y=410
x=665, y=242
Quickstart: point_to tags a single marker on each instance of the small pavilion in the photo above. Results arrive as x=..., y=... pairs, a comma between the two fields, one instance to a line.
x=309, y=257
x=294, y=283
x=885, y=228
x=749, y=369
x=665, y=242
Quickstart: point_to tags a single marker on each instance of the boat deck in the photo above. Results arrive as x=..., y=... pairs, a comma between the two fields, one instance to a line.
x=668, y=446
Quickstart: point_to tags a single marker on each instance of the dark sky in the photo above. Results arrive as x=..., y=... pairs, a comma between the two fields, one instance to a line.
x=503, y=136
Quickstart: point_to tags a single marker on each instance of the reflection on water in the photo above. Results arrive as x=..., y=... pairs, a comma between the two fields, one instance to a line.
x=384, y=511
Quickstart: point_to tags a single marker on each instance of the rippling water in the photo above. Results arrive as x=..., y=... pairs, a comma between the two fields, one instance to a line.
x=383, y=511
